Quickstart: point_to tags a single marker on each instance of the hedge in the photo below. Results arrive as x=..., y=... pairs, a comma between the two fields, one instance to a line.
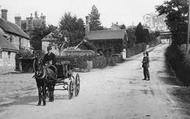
x=179, y=63
x=137, y=48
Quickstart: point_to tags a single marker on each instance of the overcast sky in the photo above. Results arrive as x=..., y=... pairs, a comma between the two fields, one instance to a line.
x=122, y=11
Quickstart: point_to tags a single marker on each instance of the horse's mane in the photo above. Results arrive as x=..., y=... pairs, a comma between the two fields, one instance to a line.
x=37, y=62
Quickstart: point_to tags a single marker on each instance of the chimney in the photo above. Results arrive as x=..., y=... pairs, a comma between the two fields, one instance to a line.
x=36, y=14
x=18, y=21
x=87, y=28
x=4, y=14
x=43, y=19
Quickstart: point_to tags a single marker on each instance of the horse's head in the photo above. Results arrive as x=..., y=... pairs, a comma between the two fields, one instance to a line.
x=38, y=67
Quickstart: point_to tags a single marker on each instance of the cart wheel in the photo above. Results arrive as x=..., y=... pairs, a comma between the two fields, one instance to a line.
x=77, y=84
x=70, y=89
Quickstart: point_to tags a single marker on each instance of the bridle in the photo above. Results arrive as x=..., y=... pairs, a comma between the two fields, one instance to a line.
x=38, y=68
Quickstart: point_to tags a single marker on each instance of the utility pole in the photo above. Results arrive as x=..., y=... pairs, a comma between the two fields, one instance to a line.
x=188, y=33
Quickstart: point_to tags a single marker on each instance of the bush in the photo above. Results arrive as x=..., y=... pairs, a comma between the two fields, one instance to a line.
x=78, y=58
x=176, y=59
x=99, y=62
x=138, y=48
x=102, y=61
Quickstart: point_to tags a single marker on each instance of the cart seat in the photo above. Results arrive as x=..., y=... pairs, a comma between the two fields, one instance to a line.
x=63, y=69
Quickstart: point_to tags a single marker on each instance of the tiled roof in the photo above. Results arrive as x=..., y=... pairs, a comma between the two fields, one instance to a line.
x=5, y=45
x=106, y=34
x=12, y=28
x=49, y=38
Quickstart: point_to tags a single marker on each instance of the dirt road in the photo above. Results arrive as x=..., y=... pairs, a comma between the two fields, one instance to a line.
x=111, y=93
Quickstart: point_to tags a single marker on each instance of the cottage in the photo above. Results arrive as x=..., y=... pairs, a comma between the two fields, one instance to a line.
x=108, y=41
x=7, y=55
x=13, y=34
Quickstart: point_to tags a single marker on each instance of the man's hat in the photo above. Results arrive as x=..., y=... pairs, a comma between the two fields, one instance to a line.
x=49, y=48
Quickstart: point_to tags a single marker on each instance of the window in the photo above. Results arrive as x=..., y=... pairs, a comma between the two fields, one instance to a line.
x=1, y=55
x=20, y=43
x=9, y=54
x=11, y=39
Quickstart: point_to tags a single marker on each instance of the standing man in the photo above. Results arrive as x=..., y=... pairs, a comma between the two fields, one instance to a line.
x=145, y=65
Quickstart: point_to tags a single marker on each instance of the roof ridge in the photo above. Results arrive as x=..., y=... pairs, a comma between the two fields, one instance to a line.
x=12, y=28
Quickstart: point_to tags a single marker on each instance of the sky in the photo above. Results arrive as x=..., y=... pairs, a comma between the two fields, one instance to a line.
x=128, y=12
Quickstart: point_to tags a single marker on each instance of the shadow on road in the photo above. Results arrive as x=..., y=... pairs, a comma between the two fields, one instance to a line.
x=180, y=92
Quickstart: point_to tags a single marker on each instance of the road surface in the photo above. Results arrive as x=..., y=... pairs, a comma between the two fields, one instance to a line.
x=112, y=93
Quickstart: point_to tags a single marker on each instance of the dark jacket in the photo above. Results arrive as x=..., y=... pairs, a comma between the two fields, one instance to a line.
x=49, y=58
x=145, y=62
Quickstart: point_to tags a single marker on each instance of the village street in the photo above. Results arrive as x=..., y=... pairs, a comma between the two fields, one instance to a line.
x=111, y=93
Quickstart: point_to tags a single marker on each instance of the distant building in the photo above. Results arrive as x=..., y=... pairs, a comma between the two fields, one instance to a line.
x=108, y=41
x=49, y=40
x=14, y=33
x=115, y=26
x=31, y=22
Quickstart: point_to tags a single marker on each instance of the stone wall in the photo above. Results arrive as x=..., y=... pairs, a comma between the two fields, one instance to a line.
x=7, y=62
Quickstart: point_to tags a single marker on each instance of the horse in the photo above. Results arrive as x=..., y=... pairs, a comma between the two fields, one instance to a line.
x=45, y=79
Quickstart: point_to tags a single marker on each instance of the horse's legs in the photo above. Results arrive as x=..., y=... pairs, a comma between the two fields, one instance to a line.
x=44, y=94
x=39, y=95
x=49, y=91
x=53, y=88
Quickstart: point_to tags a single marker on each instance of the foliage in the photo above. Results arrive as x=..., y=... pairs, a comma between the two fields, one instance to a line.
x=38, y=33
x=146, y=36
x=95, y=23
x=136, y=49
x=99, y=62
x=139, y=33
x=73, y=28
x=77, y=58
x=131, y=37
x=176, y=12
x=179, y=63
x=122, y=26
x=24, y=53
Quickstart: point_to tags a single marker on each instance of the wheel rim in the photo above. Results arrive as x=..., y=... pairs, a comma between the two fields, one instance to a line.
x=77, y=85
x=70, y=90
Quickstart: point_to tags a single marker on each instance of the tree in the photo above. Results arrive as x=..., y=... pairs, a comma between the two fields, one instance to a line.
x=38, y=33
x=73, y=28
x=139, y=33
x=122, y=26
x=176, y=12
x=146, y=36
x=131, y=36
x=95, y=23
